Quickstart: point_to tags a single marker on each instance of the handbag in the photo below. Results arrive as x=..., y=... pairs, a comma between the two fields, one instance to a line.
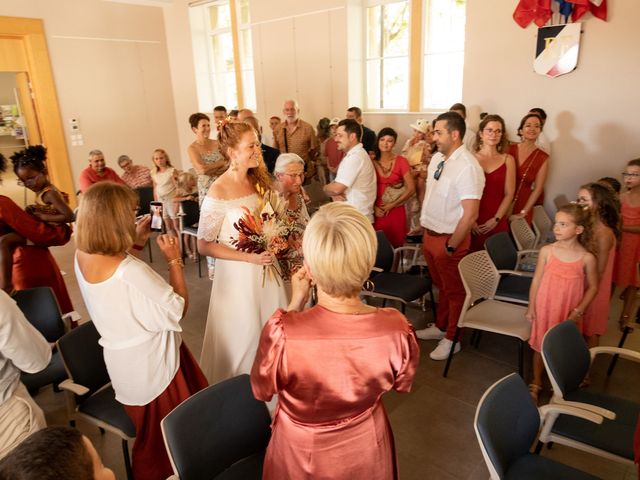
x=393, y=192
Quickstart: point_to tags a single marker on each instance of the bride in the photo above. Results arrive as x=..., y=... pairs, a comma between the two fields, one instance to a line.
x=240, y=302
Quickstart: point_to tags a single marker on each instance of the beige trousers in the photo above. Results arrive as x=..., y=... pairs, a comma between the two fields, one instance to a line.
x=20, y=416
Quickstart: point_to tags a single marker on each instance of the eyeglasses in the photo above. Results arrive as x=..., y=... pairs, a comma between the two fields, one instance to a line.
x=295, y=175
x=491, y=131
x=632, y=175
x=438, y=172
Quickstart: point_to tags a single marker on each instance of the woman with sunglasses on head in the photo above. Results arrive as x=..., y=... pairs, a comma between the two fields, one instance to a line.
x=531, y=167
x=25, y=260
x=500, y=180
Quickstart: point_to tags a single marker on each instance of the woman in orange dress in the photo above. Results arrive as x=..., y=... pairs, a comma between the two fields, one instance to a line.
x=33, y=264
x=531, y=167
x=331, y=364
x=626, y=267
x=500, y=180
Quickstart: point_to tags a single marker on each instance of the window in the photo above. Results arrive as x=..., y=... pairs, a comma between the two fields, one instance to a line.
x=425, y=36
x=387, y=58
x=223, y=54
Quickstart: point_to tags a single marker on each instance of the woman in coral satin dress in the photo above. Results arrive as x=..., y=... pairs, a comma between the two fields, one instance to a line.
x=392, y=171
x=331, y=364
x=500, y=180
x=531, y=167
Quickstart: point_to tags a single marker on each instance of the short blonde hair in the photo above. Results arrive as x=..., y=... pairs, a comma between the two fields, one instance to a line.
x=339, y=245
x=106, y=219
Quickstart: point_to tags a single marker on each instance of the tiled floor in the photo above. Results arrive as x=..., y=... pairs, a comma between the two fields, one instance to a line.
x=433, y=425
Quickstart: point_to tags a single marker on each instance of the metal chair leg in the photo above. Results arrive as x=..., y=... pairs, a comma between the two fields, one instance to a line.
x=614, y=360
x=521, y=358
x=450, y=357
x=127, y=460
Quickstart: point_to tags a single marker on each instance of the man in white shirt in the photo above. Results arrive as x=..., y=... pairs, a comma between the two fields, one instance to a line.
x=355, y=180
x=22, y=348
x=455, y=182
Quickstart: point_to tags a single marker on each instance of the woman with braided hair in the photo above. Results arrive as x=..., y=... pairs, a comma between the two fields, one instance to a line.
x=25, y=260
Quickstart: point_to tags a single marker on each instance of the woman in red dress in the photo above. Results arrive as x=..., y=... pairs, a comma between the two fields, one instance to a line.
x=331, y=364
x=531, y=167
x=500, y=180
x=33, y=264
x=395, y=187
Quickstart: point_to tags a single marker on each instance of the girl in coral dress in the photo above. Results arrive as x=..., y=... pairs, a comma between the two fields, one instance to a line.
x=604, y=204
x=395, y=186
x=500, y=180
x=626, y=268
x=331, y=364
x=531, y=167
x=558, y=290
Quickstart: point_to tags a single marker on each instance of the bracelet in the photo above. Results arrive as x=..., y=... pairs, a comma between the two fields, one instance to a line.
x=498, y=219
x=523, y=212
x=578, y=312
x=137, y=247
x=175, y=261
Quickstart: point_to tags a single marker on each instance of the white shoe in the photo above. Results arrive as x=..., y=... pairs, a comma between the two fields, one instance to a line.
x=441, y=352
x=430, y=333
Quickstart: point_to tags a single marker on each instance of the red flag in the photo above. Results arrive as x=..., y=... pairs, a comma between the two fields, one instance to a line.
x=583, y=6
x=527, y=11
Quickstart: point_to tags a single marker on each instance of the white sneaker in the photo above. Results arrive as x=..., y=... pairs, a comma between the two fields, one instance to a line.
x=441, y=352
x=430, y=333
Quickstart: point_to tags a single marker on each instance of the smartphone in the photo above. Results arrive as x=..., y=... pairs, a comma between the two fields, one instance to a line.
x=157, y=222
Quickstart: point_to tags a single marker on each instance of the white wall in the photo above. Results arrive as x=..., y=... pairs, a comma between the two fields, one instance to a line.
x=111, y=70
x=593, y=118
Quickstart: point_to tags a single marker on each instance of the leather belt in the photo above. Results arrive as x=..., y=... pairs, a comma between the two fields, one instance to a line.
x=435, y=234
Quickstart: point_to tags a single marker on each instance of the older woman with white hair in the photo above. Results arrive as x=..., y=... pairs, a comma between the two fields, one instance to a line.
x=289, y=173
x=330, y=364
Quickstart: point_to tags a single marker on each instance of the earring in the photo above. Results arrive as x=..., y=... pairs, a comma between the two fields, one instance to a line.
x=369, y=286
x=314, y=294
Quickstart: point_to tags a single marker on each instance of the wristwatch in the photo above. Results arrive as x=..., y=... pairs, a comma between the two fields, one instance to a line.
x=449, y=248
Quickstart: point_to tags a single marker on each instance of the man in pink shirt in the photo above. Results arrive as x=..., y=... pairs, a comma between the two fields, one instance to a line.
x=97, y=171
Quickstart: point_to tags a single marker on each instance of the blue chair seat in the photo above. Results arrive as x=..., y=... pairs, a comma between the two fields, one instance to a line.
x=514, y=286
x=612, y=436
x=104, y=406
x=535, y=467
x=245, y=469
x=401, y=285
x=54, y=374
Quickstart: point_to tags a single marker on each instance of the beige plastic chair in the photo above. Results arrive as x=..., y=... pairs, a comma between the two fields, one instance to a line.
x=524, y=237
x=482, y=311
x=542, y=225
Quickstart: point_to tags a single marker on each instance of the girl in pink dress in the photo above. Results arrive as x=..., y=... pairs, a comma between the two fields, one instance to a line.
x=558, y=290
x=626, y=268
x=393, y=174
x=605, y=206
x=500, y=180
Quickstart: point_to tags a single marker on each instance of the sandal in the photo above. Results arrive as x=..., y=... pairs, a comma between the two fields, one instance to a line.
x=534, y=390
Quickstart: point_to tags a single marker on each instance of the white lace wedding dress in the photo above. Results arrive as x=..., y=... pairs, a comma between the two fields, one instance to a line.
x=239, y=304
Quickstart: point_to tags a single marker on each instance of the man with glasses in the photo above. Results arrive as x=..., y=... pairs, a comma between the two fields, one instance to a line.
x=136, y=176
x=455, y=182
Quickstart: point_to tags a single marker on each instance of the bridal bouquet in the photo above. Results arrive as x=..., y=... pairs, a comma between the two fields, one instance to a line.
x=267, y=229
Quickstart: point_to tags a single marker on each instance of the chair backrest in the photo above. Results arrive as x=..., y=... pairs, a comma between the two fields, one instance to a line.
x=506, y=423
x=384, y=254
x=502, y=251
x=83, y=358
x=40, y=307
x=479, y=276
x=191, y=211
x=522, y=234
x=145, y=195
x=542, y=224
x=216, y=427
x=566, y=357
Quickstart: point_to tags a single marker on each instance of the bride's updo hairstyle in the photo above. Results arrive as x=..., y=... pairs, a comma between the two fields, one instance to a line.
x=230, y=134
x=339, y=246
